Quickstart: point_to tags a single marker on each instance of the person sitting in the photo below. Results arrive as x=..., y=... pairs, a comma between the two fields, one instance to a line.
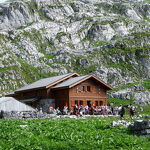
x=86, y=108
x=58, y=112
x=81, y=111
x=51, y=109
x=65, y=110
x=91, y=110
x=75, y=110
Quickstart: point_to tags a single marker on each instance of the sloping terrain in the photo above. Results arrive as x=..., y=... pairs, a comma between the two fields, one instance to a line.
x=108, y=38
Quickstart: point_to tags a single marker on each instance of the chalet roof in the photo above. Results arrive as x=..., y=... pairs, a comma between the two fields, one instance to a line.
x=70, y=81
x=45, y=82
x=76, y=80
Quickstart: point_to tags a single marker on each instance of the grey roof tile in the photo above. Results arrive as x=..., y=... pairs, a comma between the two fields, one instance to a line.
x=43, y=82
x=70, y=81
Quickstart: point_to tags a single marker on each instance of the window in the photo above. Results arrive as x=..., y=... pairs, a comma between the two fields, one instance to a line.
x=88, y=88
x=101, y=103
x=99, y=91
x=76, y=102
x=81, y=102
x=89, y=103
x=76, y=90
x=83, y=88
x=96, y=103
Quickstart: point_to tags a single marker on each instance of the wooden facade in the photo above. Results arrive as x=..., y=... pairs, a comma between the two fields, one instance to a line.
x=89, y=91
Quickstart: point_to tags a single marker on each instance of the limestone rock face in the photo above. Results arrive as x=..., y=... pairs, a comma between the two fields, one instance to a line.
x=137, y=93
x=108, y=38
x=102, y=33
x=15, y=16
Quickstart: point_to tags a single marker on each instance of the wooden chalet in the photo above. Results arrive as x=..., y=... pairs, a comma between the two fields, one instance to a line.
x=68, y=89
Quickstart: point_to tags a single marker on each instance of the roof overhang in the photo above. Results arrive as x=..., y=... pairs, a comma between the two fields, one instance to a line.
x=10, y=94
x=86, y=78
x=74, y=74
x=92, y=76
x=28, y=100
x=50, y=85
x=102, y=82
x=33, y=89
x=61, y=88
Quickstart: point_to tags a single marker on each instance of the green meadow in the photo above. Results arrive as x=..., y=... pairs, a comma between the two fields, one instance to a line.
x=69, y=134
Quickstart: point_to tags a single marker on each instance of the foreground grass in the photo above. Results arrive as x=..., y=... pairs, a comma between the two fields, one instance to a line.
x=68, y=134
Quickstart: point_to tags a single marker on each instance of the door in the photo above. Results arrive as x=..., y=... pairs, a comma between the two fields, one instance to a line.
x=89, y=103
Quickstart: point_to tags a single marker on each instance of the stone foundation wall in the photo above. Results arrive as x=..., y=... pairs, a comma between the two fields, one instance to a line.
x=25, y=115
x=30, y=115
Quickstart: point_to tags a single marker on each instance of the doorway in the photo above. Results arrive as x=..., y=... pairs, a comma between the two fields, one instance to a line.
x=89, y=103
x=101, y=103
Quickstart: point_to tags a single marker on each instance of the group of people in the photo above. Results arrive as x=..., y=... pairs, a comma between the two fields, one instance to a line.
x=57, y=111
x=94, y=110
x=122, y=110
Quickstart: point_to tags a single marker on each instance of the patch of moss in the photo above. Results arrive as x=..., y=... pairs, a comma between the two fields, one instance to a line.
x=88, y=70
x=25, y=26
x=124, y=86
x=60, y=34
x=49, y=56
x=2, y=36
x=117, y=101
x=77, y=67
x=28, y=72
x=108, y=22
x=146, y=18
x=142, y=56
x=141, y=34
x=50, y=6
x=103, y=5
x=98, y=43
x=146, y=84
x=87, y=18
x=33, y=6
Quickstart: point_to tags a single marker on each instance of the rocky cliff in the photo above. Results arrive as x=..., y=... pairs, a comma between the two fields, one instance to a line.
x=108, y=38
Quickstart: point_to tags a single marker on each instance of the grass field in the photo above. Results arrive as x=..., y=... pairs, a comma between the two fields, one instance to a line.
x=68, y=134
